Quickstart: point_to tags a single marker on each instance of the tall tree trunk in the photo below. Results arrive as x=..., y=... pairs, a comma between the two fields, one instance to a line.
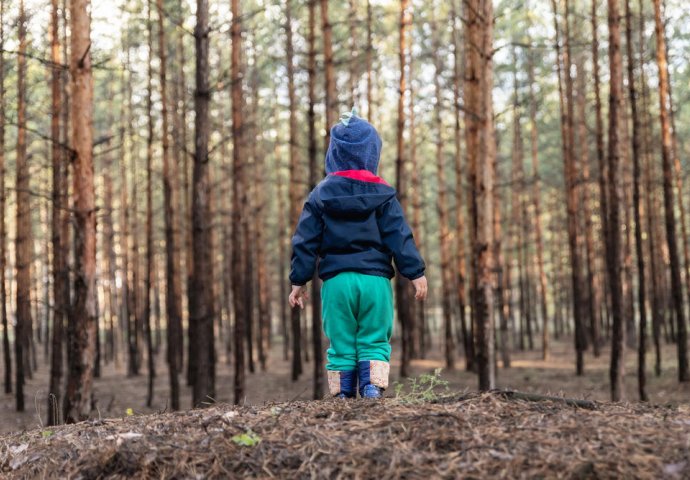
x=296, y=177
x=313, y=176
x=173, y=292
x=148, y=280
x=460, y=197
x=60, y=272
x=479, y=134
x=614, y=251
x=592, y=280
x=237, y=203
x=676, y=285
x=401, y=290
x=201, y=294
x=536, y=201
x=444, y=228
x=570, y=169
x=637, y=205
x=7, y=355
x=81, y=330
x=331, y=99
x=599, y=135
x=23, y=243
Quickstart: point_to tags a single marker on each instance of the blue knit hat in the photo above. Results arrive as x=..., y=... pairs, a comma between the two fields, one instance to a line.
x=355, y=145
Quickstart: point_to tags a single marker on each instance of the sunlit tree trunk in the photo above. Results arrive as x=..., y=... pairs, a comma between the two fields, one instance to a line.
x=81, y=330
x=666, y=153
x=480, y=145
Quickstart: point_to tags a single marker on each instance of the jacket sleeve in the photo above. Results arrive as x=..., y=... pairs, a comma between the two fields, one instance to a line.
x=306, y=243
x=397, y=236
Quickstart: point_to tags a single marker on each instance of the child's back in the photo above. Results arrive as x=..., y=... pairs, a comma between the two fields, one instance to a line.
x=354, y=225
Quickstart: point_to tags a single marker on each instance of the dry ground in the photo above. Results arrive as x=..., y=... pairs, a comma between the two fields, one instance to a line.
x=457, y=436
x=116, y=393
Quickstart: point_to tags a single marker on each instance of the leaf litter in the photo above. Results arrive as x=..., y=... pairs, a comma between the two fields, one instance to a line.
x=469, y=435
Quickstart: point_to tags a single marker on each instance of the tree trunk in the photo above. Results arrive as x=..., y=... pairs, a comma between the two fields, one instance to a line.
x=81, y=330
x=7, y=355
x=676, y=285
x=201, y=293
x=173, y=292
x=313, y=176
x=479, y=135
x=444, y=229
x=614, y=251
x=536, y=201
x=23, y=243
x=148, y=280
x=401, y=290
x=637, y=206
x=592, y=280
x=369, y=59
x=331, y=98
x=296, y=176
x=460, y=197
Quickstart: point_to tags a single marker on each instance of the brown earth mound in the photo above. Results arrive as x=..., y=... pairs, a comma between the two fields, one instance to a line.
x=491, y=435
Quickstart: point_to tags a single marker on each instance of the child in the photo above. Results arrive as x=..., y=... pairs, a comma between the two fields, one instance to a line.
x=354, y=226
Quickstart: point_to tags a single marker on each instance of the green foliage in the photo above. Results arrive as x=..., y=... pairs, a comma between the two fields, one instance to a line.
x=425, y=388
x=247, y=439
x=47, y=433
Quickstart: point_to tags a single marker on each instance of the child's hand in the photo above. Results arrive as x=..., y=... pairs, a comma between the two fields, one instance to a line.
x=420, y=288
x=298, y=296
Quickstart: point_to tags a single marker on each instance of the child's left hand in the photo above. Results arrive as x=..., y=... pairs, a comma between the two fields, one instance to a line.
x=298, y=296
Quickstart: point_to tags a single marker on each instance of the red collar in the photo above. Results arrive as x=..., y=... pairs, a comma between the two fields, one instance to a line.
x=361, y=175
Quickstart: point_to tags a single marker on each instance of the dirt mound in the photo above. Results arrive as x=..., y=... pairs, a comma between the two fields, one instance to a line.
x=471, y=436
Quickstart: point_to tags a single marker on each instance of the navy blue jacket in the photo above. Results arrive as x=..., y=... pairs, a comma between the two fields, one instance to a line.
x=353, y=222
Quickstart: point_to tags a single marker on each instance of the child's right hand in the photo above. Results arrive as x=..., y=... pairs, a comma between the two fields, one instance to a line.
x=298, y=296
x=420, y=288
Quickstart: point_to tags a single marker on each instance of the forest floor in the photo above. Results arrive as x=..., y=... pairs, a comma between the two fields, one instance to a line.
x=116, y=393
x=452, y=436
x=418, y=432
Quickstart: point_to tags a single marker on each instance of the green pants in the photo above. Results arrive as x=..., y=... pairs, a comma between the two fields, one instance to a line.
x=357, y=319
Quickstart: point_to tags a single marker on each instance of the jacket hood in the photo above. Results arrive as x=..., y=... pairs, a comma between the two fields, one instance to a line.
x=354, y=145
x=346, y=197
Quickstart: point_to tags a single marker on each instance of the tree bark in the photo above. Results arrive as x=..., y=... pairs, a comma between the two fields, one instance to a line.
x=7, y=355
x=442, y=206
x=148, y=268
x=536, y=201
x=81, y=330
x=369, y=59
x=23, y=243
x=401, y=290
x=313, y=176
x=460, y=197
x=201, y=293
x=479, y=135
x=296, y=175
x=331, y=98
x=173, y=292
x=666, y=153
x=637, y=206
x=614, y=252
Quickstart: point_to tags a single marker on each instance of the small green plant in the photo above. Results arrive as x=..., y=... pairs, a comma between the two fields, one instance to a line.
x=47, y=433
x=247, y=439
x=425, y=388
